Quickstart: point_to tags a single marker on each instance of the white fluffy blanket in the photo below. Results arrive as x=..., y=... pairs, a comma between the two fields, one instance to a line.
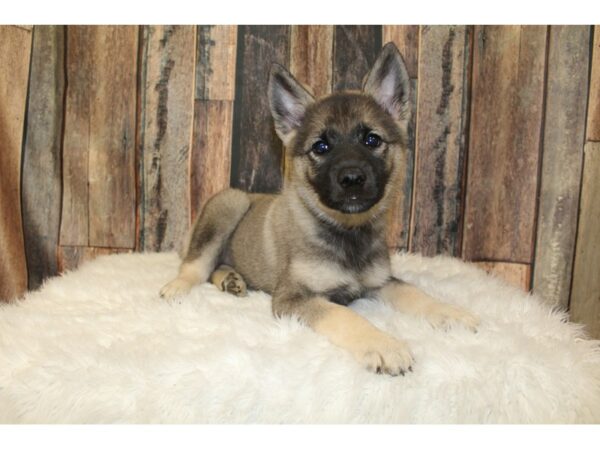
x=98, y=345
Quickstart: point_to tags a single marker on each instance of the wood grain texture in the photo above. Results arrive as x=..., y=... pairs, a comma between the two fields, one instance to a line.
x=504, y=142
x=111, y=167
x=76, y=136
x=518, y=275
x=564, y=137
x=406, y=38
x=585, y=294
x=71, y=257
x=167, y=106
x=215, y=62
x=311, y=57
x=211, y=151
x=399, y=216
x=593, y=119
x=15, y=52
x=355, y=49
x=257, y=158
x=41, y=170
x=441, y=147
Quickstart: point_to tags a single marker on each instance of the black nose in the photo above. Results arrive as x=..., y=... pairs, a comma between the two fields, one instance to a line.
x=351, y=177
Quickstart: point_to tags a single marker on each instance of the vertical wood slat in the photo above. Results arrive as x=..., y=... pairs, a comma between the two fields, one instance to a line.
x=406, y=38
x=111, y=169
x=355, y=49
x=585, y=296
x=99, y=135
x=504, y=142
x=15, y=52
x=215, y=62
x=593, y=119
x=564, y=137
x=74, y=223
x=311, y=57
x=167, y=104
x=213, y=113
x=518, y=275
x=442, y=118
x=211, y=151
x=257, y=157
x=41, y=173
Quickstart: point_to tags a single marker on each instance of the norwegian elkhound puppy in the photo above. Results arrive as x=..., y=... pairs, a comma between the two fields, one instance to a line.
x=320, y=243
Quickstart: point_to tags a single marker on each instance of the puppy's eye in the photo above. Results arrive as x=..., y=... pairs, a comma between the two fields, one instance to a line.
x=372, y=140
x=320, y=147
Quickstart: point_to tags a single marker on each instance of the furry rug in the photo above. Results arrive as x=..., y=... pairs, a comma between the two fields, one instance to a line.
x=99, y=346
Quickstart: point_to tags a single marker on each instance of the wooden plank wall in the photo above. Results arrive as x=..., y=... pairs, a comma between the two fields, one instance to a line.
x=113, y=138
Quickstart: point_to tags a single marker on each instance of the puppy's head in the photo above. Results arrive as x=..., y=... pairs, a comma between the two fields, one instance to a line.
x=346, y=147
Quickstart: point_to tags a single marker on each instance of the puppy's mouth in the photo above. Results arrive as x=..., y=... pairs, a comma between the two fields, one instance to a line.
x=354, y=204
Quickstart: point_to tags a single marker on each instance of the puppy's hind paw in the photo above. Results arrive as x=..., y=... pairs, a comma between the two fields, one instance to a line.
x=176, y=288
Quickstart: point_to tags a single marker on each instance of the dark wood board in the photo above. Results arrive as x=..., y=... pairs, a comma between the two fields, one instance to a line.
x=41, y=170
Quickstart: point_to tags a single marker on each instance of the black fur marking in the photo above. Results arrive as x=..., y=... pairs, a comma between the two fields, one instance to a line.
x=355, y=248
x=343, y=295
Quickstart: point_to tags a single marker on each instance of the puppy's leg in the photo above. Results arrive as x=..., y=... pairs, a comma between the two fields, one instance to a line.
x=214, y=226
x=374, y=349
x=228, y=280
x=409, y=299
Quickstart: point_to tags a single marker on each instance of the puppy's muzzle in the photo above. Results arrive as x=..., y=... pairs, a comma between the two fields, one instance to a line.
x=351, y=177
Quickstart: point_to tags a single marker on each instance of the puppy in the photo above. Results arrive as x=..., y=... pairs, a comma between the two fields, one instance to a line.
x=320, y=243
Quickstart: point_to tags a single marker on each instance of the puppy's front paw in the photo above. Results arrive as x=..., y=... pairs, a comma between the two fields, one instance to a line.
x=176, y=288
x=444, y=316
x=385, y=354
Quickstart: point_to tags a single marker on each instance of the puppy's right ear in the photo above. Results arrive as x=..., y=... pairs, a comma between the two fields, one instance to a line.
x=288, y=101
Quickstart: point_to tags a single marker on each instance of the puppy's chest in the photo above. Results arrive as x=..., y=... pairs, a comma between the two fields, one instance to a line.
x=338, y=283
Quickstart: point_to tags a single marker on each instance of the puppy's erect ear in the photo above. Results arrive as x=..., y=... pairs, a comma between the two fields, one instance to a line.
x=288, y=101
x=389, y=84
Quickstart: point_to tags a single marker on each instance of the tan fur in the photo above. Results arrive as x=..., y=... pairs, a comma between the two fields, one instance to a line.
x=376, y=350
x=228, y=280
x=409, y=299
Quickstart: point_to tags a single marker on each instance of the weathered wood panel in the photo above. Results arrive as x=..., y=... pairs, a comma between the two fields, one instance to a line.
x=257, y=158
x=70, y=257
x=311, y=57
x=585, y=296
x=593, y=120
x=442, y=127
x=504, y=142
x=518, y=275
x=15, y=51
x=355, y=49
x=166, y=118
x=42, y=177
x=213, y=113
x=215, y=62
x=211, y=152
x=76, y=136
x=564, y=137
x=406, y=38
x=111, y=169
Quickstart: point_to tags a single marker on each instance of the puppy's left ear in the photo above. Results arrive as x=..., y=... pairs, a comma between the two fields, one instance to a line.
x=288, y=101
x=389, y=84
